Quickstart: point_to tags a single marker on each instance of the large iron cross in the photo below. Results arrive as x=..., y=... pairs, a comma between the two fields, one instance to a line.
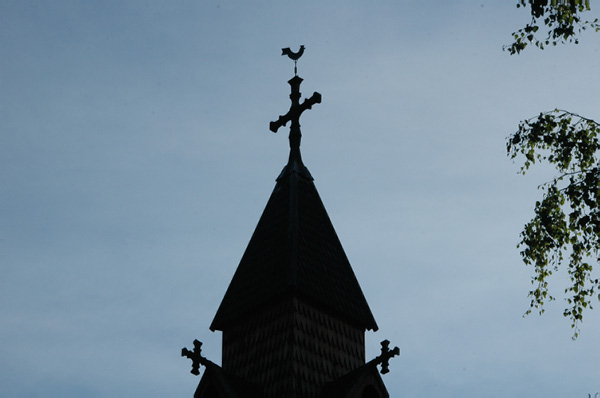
x=385, y=356
x=195, y=356
x=293, y=115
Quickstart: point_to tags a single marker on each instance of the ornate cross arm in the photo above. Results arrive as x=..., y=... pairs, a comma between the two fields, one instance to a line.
x=385, y=356
x=308, y=103
x=195, y=356
x=282, y=121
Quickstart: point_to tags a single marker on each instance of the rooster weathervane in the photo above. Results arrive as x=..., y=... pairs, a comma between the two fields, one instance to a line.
x=294, y=56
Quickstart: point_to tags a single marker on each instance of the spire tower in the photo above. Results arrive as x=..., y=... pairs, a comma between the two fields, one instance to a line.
x=294, y=316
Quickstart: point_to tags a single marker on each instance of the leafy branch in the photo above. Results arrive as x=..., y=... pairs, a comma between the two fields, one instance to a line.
x=561, y=20
x=566, y=221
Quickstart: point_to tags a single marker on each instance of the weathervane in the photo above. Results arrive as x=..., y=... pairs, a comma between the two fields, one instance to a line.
x=296, y=109
x=295, y=56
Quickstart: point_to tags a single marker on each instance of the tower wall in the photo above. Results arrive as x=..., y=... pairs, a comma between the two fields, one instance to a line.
x=291, y=349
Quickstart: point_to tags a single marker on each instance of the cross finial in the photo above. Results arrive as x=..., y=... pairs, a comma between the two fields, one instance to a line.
x=296, y=110
x=195, y=356
x=385, y=356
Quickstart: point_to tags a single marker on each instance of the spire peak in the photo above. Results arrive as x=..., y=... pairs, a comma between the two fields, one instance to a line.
x=293, y=115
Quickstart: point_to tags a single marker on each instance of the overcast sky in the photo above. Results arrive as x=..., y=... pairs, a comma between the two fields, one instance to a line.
x=135, y=161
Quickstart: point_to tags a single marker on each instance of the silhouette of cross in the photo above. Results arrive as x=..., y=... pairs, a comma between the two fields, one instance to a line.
x=385, y=356
x=293, y=115
x=195, y=356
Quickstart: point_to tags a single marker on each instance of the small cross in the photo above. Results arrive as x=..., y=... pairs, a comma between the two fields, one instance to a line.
x=195, y=356
x=385, y=356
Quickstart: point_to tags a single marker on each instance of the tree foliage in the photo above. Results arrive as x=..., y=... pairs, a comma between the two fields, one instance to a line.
x=566, y=223
x=560, y=19
x=565, y=228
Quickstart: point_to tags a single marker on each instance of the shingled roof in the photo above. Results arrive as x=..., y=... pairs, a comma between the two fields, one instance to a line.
x=294, y=252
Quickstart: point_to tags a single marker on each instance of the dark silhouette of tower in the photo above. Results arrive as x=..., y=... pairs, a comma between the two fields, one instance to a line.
x=294, y=316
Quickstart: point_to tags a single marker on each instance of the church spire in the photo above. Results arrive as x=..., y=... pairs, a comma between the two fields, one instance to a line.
x=294, y=316
x=294, y=250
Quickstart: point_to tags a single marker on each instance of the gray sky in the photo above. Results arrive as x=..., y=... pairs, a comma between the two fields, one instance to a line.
x=136, y=160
